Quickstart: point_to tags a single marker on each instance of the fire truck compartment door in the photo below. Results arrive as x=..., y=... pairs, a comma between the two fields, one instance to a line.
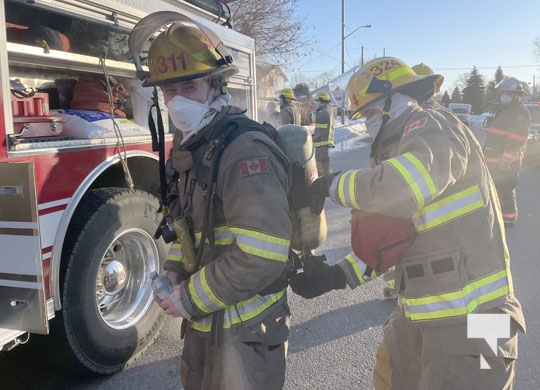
x=22, y=287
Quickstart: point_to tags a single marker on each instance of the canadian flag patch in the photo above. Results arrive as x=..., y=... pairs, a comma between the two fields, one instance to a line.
x=253, y=167
x=414, y=126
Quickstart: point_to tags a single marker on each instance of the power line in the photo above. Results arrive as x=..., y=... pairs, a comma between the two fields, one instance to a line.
x=493, y=67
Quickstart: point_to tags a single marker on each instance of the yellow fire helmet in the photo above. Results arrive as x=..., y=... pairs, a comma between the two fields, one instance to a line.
x=186, y=50
x=287, y=93
x=323, y=97
x=423, y=70
x=384, y=76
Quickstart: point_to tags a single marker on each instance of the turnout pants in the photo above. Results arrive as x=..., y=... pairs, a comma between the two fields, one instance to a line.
x=322, y=157
x=232, y=366
x=441, y=358
x=506, y=185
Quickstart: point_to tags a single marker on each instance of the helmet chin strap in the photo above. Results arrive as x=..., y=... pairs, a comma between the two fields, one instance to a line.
x=385, y=119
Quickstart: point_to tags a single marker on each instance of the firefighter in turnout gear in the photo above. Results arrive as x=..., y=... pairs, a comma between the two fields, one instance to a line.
x=323, y=137
x=505, y=144
x=234, y=301
x=389, y=290
x=289, y=114
x=428, y=173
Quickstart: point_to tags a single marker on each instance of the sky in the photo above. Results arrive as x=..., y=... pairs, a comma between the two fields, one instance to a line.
x=451, y=38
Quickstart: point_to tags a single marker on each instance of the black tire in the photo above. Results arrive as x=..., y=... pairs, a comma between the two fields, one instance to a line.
x=108, y=315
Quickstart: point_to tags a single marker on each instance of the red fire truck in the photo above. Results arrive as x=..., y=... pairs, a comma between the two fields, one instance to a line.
x=78, y=203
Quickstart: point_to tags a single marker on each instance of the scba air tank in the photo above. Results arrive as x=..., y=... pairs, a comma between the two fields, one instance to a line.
x=309, y=230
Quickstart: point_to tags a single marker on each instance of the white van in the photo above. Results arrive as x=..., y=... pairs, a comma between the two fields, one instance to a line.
x=462, y=111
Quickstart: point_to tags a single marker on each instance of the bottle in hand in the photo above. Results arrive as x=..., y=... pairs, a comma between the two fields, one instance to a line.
x=161, y=285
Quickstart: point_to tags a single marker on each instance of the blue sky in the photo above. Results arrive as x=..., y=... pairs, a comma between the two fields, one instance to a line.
x=451, y=38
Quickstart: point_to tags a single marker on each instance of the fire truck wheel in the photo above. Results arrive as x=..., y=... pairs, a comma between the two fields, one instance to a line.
x=108, y=314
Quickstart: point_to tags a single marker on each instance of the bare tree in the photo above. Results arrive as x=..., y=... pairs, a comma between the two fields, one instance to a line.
x=536, y=43
x=280, y=36
x=298, y=78
x=322, y=79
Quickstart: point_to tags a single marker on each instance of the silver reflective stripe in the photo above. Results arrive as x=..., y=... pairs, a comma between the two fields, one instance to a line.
x=241, y=312
x=359, y=267
x=416, y=176
x=262, y=244
x=346, y=192
x=175, y=251
x=457, y=303
x=201, y=294
x=251, y=308
x=449, y=208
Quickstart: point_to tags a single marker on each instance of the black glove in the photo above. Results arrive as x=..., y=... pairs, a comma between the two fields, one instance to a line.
x=319, y=191
x=320, y=279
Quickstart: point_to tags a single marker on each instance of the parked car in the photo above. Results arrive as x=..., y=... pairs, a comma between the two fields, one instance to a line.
x=533, y=145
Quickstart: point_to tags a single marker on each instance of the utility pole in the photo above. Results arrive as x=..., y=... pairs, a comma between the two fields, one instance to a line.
x=343, y=37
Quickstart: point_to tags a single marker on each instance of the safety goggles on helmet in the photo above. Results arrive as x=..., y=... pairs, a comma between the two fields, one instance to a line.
x=510, y=84
x=384, y=76
x=186, y=50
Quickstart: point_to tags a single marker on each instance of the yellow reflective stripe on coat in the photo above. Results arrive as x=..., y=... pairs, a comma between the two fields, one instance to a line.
x=447, y=209
x=418, y=179
x=241, y=312
x=202, y=295
x=250, y=308
x=222, y=236
x=321, y=143
x=175, y=252
x=346, y=189
x=360, y=268
x=457, y=303
x=261, y=244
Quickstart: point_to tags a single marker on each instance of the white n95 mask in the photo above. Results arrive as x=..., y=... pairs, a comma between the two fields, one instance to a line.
x=186, y=114
x=505, y=99
x=374, y=123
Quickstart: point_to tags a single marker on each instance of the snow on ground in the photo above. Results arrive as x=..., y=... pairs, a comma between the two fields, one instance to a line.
x=353, y=134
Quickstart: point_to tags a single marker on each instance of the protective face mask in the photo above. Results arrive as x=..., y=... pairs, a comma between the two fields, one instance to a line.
x=187, y=114
x=505, y=99
x=317, y=104
x=373, y=124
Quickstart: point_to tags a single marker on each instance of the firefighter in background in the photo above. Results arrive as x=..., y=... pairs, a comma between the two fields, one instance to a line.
x=505, y=144
x=323, y=137
x=235, y=303
x=271, y=114
x=428, y=170
x=289, y=114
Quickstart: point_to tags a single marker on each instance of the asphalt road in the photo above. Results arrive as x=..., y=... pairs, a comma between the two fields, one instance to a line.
x=333, y=338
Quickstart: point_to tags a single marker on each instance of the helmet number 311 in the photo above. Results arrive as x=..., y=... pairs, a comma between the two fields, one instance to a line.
x=163, y=63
